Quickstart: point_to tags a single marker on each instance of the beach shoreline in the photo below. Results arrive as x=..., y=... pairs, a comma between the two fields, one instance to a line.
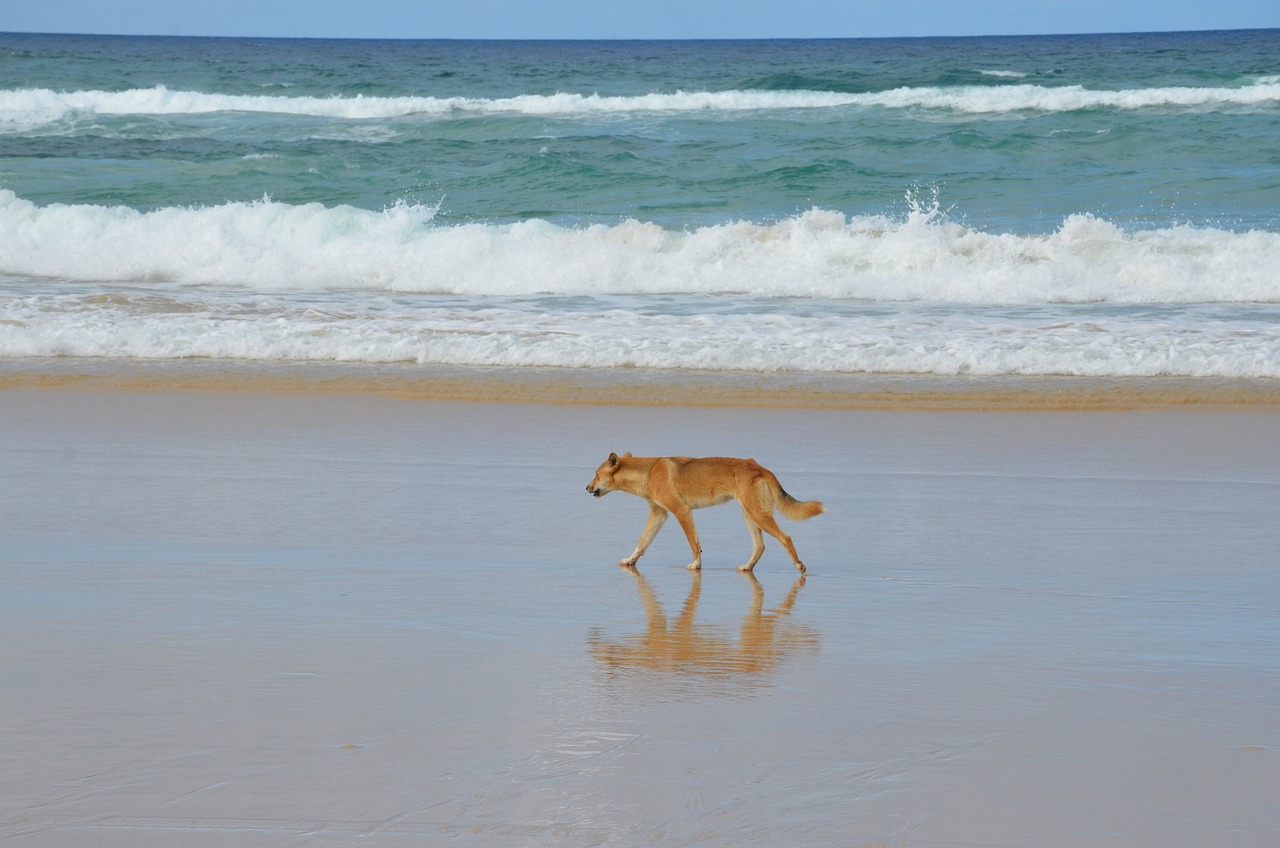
x=642, y=386
x=244, y=617
x=309, y=349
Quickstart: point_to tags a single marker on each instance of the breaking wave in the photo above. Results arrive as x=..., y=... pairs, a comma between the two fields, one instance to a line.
x=918, y=256
x=26, y=109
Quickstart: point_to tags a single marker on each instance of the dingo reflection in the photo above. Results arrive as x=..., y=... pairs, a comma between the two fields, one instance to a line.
x=684, y=647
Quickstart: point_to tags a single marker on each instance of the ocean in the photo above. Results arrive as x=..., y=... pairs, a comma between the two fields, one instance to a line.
x=1093, y=206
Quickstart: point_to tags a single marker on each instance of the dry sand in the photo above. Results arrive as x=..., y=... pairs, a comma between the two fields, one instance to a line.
x=288, y=620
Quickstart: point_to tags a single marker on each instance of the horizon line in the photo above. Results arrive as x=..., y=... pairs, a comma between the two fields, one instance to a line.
x=654, y=39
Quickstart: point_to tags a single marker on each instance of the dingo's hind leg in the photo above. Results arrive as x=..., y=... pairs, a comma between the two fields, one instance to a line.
x=757, y=542
x=765, y=520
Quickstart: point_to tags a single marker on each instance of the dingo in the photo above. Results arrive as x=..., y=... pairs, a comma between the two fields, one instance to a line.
x=681, y=484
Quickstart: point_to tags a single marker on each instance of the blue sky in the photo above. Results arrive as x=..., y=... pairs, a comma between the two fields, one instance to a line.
x=629, y=18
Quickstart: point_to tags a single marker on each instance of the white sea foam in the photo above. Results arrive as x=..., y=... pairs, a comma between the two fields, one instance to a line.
x=25, y=109
x=919, y=256
x=683, y=333
x=818, y=292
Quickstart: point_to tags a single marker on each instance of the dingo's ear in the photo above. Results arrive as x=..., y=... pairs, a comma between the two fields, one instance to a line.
x=627, y=454
x=612, y=460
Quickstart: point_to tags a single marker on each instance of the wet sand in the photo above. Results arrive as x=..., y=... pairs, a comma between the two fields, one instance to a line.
x=643, y=387
x=299, y=619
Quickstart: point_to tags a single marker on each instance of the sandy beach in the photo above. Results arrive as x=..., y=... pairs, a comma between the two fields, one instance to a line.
x=305, y=618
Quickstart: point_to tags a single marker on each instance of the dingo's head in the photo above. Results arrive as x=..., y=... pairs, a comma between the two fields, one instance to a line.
x=602, y=483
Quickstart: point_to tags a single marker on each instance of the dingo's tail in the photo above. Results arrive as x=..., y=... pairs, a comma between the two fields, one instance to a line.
x=790, y=507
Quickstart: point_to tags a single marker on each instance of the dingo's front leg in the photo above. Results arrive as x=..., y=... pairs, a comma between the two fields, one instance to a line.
x=657, y=517
x=685, y=517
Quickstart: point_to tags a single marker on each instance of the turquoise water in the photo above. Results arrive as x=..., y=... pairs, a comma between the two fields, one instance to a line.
x=1089, y=205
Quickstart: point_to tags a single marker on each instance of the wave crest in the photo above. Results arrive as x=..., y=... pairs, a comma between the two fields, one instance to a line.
x=919, y=256
x=30, y=108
